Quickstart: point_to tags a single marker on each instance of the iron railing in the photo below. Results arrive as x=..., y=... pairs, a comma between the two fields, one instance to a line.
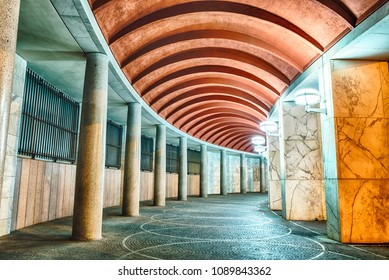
x=172, y=158
x=147, y=147
x=194, y=159
x=113, y=152
x=49, y=123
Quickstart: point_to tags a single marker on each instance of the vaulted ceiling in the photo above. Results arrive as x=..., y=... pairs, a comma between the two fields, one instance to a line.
x=214, y=69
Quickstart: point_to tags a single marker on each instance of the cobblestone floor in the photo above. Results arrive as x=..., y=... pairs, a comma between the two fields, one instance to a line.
x=233, y=227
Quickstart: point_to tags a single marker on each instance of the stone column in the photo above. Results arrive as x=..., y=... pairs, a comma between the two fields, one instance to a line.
x=88, y=200
x=203, y=171
x=131, y=180
x=9, y=17
x=160, y=167
x=243, y=174
x=302, y=181
x=356, y=150
x=223, y=172
x=8, y=198
x=274, y=191
x=263, y=170
x=183, y=170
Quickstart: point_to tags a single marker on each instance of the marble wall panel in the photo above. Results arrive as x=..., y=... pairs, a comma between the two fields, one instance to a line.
x=256, y=175
x=171, y=185
x=233, y=167
x=274, y=166
x=357, y=191
x=275, y=196
x=213, y=173
x=363, y=150
x=364, y=210
x=146, y=186
x=303, y=160
x=194, y=185
x=305, y=200
x=274, y=159
x=299, y=125
x=301, y=165
x=250, y=177
x=264, y=175
x=45, y=191
x=360, y=88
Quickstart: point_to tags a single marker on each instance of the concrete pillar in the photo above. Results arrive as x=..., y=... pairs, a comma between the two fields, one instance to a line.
x=223, y=172
x=302, y=180
x=88, y=200
x=8, y=197
x=262, y=175
x=131, y=180
x=265, y=170
x=355, y=150
x=9, y=18
x=160, y=167
x=274, y=191
x=243, y=174
x=183, y=170
x=204, y=171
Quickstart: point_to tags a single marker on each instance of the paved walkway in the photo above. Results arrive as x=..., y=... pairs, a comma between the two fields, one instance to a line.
x=237, y=227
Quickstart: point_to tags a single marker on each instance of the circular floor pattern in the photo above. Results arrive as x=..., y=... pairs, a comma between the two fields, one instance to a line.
x=217, y=231
x=232, y=227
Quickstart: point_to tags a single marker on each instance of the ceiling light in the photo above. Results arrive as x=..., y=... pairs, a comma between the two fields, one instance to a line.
x=260, y=149
x=307, y=96
x=258, y=140
x=268, y=126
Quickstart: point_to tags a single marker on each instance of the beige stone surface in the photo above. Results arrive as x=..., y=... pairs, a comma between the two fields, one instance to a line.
x=360, y=88
x=305, y=200
x=275, y=196
x=363, y=148
x=364, y=210
x=359, y=195
x=301, y=163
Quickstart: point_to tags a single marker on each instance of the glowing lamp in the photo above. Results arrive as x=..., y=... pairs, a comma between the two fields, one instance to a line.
x=268, y=126
x=307, y=96
x=259, y=149
x=258, y=140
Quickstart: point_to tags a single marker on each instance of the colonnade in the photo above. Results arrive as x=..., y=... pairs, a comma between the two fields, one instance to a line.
x=329, y=166
x=332, y=165
x=89, y=185
x=87, y=218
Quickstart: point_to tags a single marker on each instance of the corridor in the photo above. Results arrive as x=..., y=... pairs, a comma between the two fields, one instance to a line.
x=233, y=227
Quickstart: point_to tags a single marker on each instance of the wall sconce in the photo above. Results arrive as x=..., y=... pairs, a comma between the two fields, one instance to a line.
x=308, y=97
x=260, y=149
x=259, y=144
x=258, y=140
x=268, y=127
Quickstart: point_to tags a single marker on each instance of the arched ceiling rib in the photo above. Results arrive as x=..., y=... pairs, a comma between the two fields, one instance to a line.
x=215, y=92
x=215, y=68
x=198, y=34
x=212, y=6
x=214, y=114
x=212, y=69
x=219, y=53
